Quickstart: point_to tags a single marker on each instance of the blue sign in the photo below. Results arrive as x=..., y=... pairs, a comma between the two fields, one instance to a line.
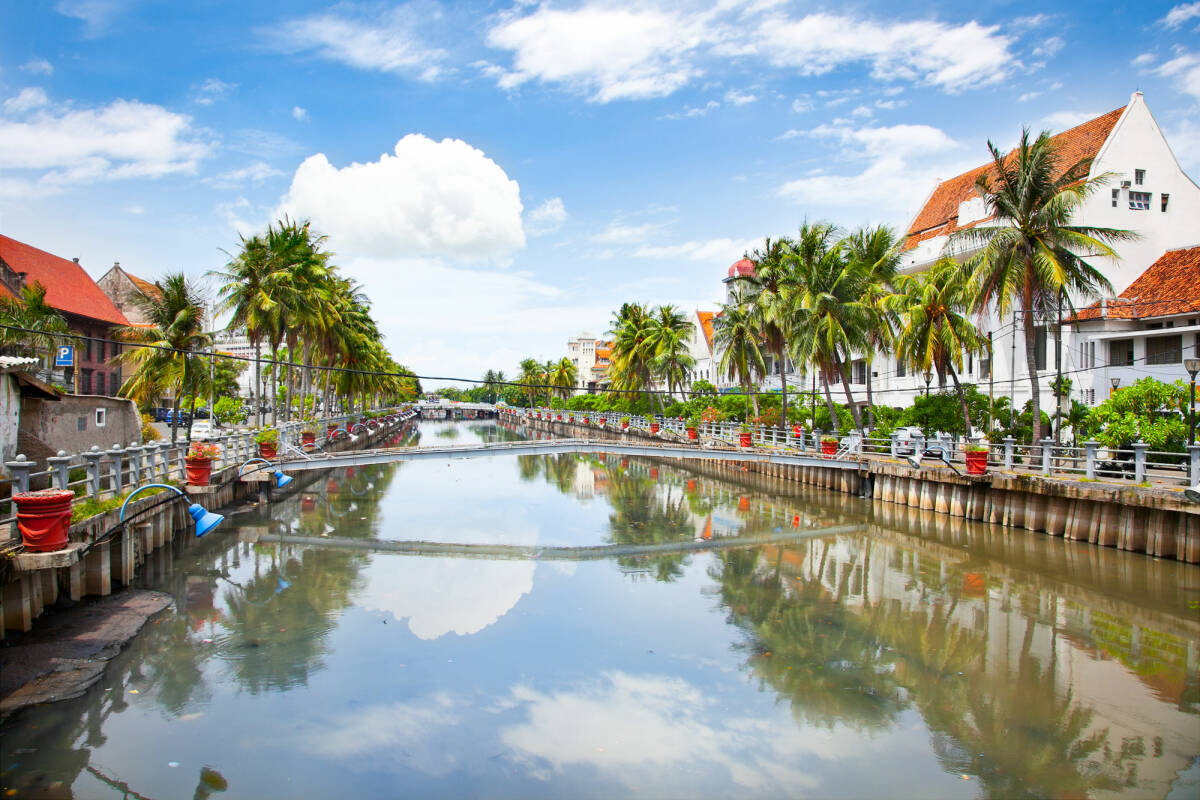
x=65, y=357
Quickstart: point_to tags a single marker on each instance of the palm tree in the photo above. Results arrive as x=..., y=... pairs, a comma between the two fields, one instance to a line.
x=243, y=291
x=174, y=317
x=563, y=375
x=633, y=349
x=35, y=323
x=878, y=250
x=670, y=339
x=532, y=377
x=769, y=293
x=735, y=336
x=1031, y=253
x=831, y=317
x=934, y=328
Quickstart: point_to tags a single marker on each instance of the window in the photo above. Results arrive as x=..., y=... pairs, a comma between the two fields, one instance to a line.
x=1120, y=353
x=1091, y=356
x=115, y=383
x=1164, y=349
x=1039, y=347
x=87, y=349
x=985, y=367
x=1139, y=176
x=100, y=382
x=970, y=363
x=85, y=381
x=100, y=415
x=900, y=369
x=1139, y=201
x=1116, y=196
x=859, y=370
x=1165, y=198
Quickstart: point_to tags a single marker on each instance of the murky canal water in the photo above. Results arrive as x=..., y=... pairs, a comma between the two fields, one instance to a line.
x=905, y=655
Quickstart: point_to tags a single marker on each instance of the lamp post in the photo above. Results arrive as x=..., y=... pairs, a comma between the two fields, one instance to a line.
x=1192, y=365
x=928, y=379
x=1116, y=383
x=205, y=520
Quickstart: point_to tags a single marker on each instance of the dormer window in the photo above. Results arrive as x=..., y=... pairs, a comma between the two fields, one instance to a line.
x=1139, y=201
x=1139, y=176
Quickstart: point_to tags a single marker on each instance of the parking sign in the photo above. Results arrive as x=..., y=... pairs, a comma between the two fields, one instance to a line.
x=65, y=357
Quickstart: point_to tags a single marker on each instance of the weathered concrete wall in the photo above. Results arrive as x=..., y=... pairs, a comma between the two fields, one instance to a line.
x=71, y=423
x=10, y=417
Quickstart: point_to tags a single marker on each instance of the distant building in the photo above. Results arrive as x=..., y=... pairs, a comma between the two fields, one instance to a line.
x=87, y=310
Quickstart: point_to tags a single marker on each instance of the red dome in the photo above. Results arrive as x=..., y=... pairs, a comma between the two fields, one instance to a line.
x=742, y=269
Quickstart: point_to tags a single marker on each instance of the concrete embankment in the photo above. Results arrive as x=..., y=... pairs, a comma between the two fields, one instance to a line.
x=1155, y=521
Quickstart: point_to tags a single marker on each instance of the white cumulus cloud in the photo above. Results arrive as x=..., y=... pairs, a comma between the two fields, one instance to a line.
x=547, y=217
x=442, y=199
x=26, y=100
x=1185, y=68
x=299, y=114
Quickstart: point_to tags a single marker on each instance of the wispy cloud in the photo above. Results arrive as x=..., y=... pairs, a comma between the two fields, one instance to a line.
x=38, y=66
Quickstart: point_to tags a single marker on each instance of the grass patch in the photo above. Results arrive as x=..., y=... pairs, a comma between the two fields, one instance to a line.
x=93, y=507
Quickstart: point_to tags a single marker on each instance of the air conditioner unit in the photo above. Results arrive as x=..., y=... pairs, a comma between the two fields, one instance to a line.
x=1125, y=184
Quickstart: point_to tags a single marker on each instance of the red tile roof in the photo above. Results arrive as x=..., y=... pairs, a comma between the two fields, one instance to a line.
x=939, y=216
x=706, y=325
x=68, y=287
x=1169, y=286
x=144, y=286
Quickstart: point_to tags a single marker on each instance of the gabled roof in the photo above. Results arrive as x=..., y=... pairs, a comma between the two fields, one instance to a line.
x=939, y=215
x=1169, y=286
x=68, y=287
x=144, y=286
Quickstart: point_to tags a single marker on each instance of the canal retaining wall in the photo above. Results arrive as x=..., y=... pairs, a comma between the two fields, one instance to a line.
x=1157, y=522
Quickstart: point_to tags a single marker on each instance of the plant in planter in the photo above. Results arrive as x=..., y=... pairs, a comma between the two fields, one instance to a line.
x=199, y=462
x=976, y=456
x=308, y=433
x=746, y=435
x=625, y=423
x=268, y=443
x=693, y=423
x=829, y=445
x=653, y=423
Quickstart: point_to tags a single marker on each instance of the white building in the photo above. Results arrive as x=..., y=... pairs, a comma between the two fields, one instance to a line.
x=1146, y=331
x=236, y=344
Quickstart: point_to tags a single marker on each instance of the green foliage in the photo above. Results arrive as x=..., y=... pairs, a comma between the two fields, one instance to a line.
x=229, y=410
x=941, y=411
x=149, y=434
x=703, y=387
x=267, y=436
x=1149, y=410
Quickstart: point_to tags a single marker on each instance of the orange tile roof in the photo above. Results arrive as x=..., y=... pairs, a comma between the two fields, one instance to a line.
x=706, y=325
x=939, y=216
x=68, y=287
x=144, y=286
x=1169, y=286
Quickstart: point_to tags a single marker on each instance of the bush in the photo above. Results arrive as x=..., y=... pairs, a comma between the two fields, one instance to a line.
x=267, y=436
x=229, y=410
x=149, y=433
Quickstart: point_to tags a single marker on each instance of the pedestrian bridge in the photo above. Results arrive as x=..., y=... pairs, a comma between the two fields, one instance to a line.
x=363, y=458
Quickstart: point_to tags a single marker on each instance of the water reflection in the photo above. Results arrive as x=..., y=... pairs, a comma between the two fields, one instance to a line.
x=920, y=657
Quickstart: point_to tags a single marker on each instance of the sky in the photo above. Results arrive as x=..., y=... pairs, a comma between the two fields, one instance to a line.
x=501, y=176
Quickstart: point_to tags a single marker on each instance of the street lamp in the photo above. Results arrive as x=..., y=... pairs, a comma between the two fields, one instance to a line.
x=1192, y=365
x=281, y=480
x=1116, y=383
x=205, y=520
x=928, y=378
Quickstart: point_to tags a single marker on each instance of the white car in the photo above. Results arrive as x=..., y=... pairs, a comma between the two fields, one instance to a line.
x=203, y=429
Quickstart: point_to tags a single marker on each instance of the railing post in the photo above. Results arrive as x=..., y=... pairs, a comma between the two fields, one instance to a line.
x=1090, y=449
x=19, y=470
x=1139, y=461
x=817, y=439
x=92, y=457
x=1194, y=464
x=1010, y=446
x=135, y=463
x=895, y=444
x=117, y=456
x=60, y=463
x=1047, y=452
x=919, y=444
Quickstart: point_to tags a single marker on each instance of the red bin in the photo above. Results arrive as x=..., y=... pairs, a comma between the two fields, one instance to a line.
x=43, y=518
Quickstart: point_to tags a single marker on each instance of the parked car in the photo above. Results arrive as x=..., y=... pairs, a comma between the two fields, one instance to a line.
x=906, y=439
x=159, y=414
x=202, y=429
x=200, y=413
x=184, y=417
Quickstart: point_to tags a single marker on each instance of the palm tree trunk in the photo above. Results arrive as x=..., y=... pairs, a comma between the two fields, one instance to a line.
x=844, y=371
x=1030, y=355
x=783, y=420
x=829, y=402
x=258, y=381
x=962, y=400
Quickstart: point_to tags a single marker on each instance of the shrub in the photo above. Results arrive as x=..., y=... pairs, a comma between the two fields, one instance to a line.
x=267, y=436
x=149, y=433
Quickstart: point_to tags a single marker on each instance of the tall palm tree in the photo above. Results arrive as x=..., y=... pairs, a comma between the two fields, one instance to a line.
x=1031, y=254
x=735, y=337
x=935, y=330
x=831, y=317
x=39, y=323
x=633, y=350
x=174, y=317
x=670, y=341
x=877, y=249
x=532, y=377
x=769, y=292
x=563, y=376
x=243, y=292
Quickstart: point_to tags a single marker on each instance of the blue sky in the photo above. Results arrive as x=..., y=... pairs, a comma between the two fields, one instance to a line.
x=501, y=176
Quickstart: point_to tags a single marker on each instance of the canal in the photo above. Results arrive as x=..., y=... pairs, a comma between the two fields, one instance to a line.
x=903, y=655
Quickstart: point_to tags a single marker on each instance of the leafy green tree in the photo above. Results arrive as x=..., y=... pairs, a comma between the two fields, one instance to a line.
x=1149, y=411
x=563, y=376
x=1029, y=252
x=769, y=298
x=736, y=337
x=41, y=323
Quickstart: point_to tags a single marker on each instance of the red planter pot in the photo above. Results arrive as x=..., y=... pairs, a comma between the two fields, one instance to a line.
x=586, y=420
x=745, y=439
x=268, y=450
x=743, y=503
x=693, y=435
x=624, y=426
x=308, y=438
x=829, y=448
x=560, y=417
x=44, y=518
x=654, y=427
x=691, y=486
x=308, y=503
x=976, y=462
x=199, y=470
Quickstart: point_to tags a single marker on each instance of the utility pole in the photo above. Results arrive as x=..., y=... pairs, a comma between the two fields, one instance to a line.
x=1058, y=387
x=991, y=383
